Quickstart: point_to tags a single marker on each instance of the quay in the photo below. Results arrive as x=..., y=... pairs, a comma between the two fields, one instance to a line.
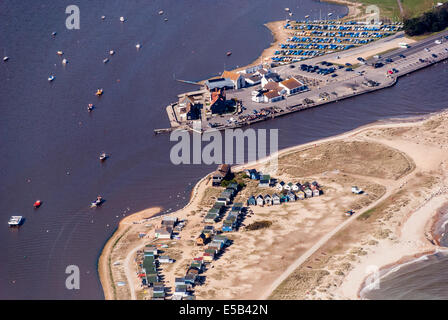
x=297, y=86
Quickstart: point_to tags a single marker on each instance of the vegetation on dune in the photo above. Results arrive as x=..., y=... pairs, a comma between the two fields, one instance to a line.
x=432, y=21
x=257, y=225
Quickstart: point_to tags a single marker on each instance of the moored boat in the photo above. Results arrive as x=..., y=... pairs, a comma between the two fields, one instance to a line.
x=138, y=45
x=5, y=58
x=103, y=156
x=15, y=221
x=90, y=107
x=59, y=53
x=37, y=204
x=98, y=202
x=229, y=53
x=99, y=92
x=122, y=19
x=106, y=60
x=50, y=78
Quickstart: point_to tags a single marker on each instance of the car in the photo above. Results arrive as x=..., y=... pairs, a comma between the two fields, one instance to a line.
x=378, y=65
x=334, y=75
x=389, y=60
x=349, y=69
x=348, y=64
x=292, y=66
x=402, y=56
x=438, y=42
x=390, y=72
x=394, y=70
x=360, y=59
x=434, y=55
x=421, y=60
x=427, y=50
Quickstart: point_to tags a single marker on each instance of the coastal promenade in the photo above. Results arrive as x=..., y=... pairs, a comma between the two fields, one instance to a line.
x=347, y=84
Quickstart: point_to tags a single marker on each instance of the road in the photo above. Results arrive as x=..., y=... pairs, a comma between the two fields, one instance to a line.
x=303, y=258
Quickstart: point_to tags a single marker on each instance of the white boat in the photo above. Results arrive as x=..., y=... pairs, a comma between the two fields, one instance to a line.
x=59, y=53
x=161, y=12
x=138, y=45
x=122, y=19
x=103, y=17
x=103, y=156
x=54, y=33
x=106, y=60
x=5, y=58
x=330, y=14
x=15, y=221
x=64, y=61
x=306, y=17
x=98, y=202
x=287, y=9
x=111, y=52
x=50, y=78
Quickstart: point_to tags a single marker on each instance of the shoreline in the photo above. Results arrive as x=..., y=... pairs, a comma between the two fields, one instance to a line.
x=104, y=270
x=280, y=35
x=104, y=264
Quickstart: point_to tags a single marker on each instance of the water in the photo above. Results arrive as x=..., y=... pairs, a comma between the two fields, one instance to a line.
x=49, y=144
x=424, y=279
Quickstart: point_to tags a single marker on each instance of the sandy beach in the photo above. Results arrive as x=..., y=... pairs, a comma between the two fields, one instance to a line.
x=304, y=240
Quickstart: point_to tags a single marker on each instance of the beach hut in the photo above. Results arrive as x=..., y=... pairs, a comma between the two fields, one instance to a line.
x=291, y=196
x=268, y=200
x=280, y=186
x=308, y=193
x=251, y=201
x=275, y=199
x=300, y=195
x=316, y=192
x=260, y=200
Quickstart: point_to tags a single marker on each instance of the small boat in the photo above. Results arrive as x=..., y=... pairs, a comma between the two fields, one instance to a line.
x=64, y=61
x=90, y=107
x=306, y=17
x=349, y=213
x=99, y=92
x=37, y=204
x=111, y=52
x=59, y=53
x=122, y=19
x=106, y=60
x=103, y=156
x=161, y=12
x=5, y=59
x=166, y=19
x=330, y=14
x=229, y=53
x=54, y=33
x=15, y=221
x=103, y=17
x=50, y=78
x=98, y=202
x=138, y=45
x=287, y=9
